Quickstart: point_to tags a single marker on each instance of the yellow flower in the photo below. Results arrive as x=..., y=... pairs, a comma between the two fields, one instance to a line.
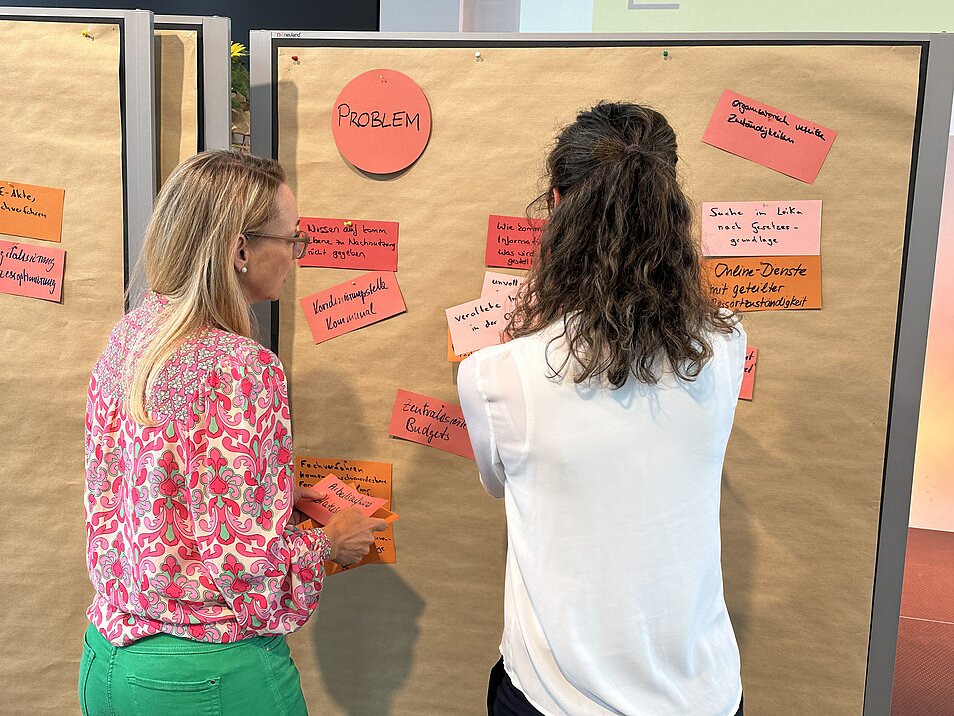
x=238, y=50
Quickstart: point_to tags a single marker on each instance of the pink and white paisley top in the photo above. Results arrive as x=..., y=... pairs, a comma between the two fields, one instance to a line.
x=187, y=522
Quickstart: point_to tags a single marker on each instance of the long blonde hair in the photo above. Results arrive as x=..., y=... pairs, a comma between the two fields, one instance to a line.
x=205, y=204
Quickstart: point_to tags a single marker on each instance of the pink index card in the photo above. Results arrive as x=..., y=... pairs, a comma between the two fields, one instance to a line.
x=340, y=496
x=772, y=137
x=748, y=377
x=512, y=241
x=495, y=282
x=761, y=228
x=350, y=243
x=477, y=324
x=430, y=421
x=32, y=270
x=352, y=305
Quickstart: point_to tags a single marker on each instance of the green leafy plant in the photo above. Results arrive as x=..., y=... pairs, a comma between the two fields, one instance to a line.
x=239, y=77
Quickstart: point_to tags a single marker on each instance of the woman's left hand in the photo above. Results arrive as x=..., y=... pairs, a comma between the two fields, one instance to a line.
x=305, y=494
x=308, y=494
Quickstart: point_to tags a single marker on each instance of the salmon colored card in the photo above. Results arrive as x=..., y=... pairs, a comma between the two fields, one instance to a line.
x=350, y=243
x=451, y=356
x=748, y=377
x=32, y=270
x=367, y=477
x=34, y=212
x=765, y=283
x=512, y=241
x=761, y=228
x=430, y=421
x=340, y=496
x=381, y=121
x=352, y=305
x=772, y=137
x=477, y=324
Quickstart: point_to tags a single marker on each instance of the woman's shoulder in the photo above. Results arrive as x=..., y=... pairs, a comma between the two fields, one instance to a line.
x=230, y=351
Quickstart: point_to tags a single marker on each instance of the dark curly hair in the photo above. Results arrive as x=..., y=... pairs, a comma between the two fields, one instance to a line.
x=617, y=263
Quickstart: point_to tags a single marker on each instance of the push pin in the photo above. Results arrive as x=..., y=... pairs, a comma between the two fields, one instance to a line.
x=478, y=57
x=87, y=34
x=666, y=55
x=347, y=223
x=295, y=59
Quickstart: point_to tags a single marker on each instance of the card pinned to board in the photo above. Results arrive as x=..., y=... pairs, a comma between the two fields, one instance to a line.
x=476, y=324
x=496, y=282
x=32, y=270
x=367, y=477
x=453, y=357
x=512, y=241
x=381, y=121
x=765, y=283
x=430, y=421
x=769, y=136
x=761, y=228
x=30, y=211
x=350, y=244
x=748, y=376
x=353, y=304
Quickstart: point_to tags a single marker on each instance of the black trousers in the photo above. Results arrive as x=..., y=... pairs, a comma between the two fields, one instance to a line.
x=505, y=699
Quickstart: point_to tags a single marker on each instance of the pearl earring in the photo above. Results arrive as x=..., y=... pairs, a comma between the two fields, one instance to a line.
x=245, y=269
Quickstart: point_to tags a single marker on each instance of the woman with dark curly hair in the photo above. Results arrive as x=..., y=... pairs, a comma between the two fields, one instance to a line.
x=603, y=424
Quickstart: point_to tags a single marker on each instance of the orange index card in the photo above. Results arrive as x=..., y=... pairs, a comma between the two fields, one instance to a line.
x=350, y=243
x=748, y=377
x=352, y=305
x=761, y=228
x=371, y=478
x=512, y=241
x=476, y=324
x=34, y=212
x=367, y=477
x=430, y=421
x=765, y=283
x=341, y=496
x=769, y=136
x=451, y=356
x=32, y=270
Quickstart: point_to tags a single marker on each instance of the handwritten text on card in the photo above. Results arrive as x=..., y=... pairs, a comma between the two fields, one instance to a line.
x=765, y=283
x=761, y=228
x=32, y=270
x=350, y=243
x=430, y=421
x=772, y=137
x=352, y=305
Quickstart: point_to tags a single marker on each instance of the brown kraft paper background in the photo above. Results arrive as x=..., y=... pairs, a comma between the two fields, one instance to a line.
x=177, y=98
x=60, y=120
x=804, y=467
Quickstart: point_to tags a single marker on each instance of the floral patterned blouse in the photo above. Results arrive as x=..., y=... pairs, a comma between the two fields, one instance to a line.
x=187, y=521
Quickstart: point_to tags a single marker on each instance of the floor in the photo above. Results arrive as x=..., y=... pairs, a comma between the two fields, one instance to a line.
x=924, y=670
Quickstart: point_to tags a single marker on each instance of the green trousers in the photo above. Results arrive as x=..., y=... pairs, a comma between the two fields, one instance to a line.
x=165, y=675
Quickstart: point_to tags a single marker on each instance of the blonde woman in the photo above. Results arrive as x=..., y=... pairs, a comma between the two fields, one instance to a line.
x=197, y=570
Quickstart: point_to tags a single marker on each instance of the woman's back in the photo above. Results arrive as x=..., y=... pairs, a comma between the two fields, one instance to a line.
x=613, y=596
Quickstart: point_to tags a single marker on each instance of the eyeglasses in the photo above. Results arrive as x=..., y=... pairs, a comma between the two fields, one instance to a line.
x=299, y=241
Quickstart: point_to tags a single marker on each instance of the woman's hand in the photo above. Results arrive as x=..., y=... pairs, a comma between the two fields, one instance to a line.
x=351, y=535
x=305, y=494
x=308, y=494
